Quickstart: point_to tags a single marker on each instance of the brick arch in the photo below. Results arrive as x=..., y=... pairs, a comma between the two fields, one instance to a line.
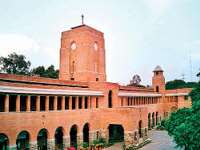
x=28, y=138
x=70, y=126
x=59, y=137
x=40, y=129
x=63, y=130
x=42, y=141
x=85, y=124
x=3, y=135
x=125, y=126
x=86, y=132
x=29, y=133
x=73, y=133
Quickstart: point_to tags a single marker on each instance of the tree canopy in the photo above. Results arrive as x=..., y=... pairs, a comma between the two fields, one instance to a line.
x=184, y=124
x=179, y=84
x=50, y=72
x=135, y=80
x=15, y=64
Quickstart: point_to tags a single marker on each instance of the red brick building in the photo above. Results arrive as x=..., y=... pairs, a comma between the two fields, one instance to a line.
x=81, y=106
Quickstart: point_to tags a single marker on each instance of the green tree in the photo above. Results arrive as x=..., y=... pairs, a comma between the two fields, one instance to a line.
x=176, y=126
x=175, y=84
x=50, y=72
x=40, y=71
x=14, y=64
x=135, y=81
x=184, y=125
x=179, y=84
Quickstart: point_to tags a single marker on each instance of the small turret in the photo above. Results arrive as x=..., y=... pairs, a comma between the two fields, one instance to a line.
x=158, y=80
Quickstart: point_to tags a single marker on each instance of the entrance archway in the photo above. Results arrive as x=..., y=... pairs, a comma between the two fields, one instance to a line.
x=149, y=121
x=42, y=139
x=4, y=142
x=22, y=141
x=86, y=133
x=59, y=138
x=116, y=133
x=140, y=128
x=73, y=136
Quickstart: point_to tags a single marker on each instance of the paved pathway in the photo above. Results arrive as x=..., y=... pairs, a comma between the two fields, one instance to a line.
x=117, y=146
x=160, y=141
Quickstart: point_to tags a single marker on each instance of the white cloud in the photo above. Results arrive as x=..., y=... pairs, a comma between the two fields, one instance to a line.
x=17, y=43
x=38, y=54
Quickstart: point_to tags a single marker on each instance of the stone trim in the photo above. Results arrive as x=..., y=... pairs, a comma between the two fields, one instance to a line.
x=177, y=94
x=22, y=90
x=129, y=94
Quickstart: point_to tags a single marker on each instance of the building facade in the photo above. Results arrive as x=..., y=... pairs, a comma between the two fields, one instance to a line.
x=81, y=106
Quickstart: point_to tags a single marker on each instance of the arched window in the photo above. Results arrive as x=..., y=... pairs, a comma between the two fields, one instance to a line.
x=110, y=99
x=4, y=142
x=86, y=133
x=42, y=139
x=59, y=138
x=73, y=136
x=22, y=141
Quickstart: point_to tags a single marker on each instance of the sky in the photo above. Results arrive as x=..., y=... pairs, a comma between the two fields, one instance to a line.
x=139, y=34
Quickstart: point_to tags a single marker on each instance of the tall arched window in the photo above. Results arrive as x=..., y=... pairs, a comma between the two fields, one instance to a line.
x=59, y=138
x=110, y=99
x=73, y=136
x=4, y=143
x=23, y=140
x=86, y=133
x=42, y=139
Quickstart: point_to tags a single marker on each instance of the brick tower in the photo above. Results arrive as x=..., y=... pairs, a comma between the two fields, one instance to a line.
x=82, y=54
x=158, y=80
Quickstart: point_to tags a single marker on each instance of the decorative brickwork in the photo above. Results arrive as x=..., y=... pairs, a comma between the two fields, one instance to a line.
x=82, y=96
